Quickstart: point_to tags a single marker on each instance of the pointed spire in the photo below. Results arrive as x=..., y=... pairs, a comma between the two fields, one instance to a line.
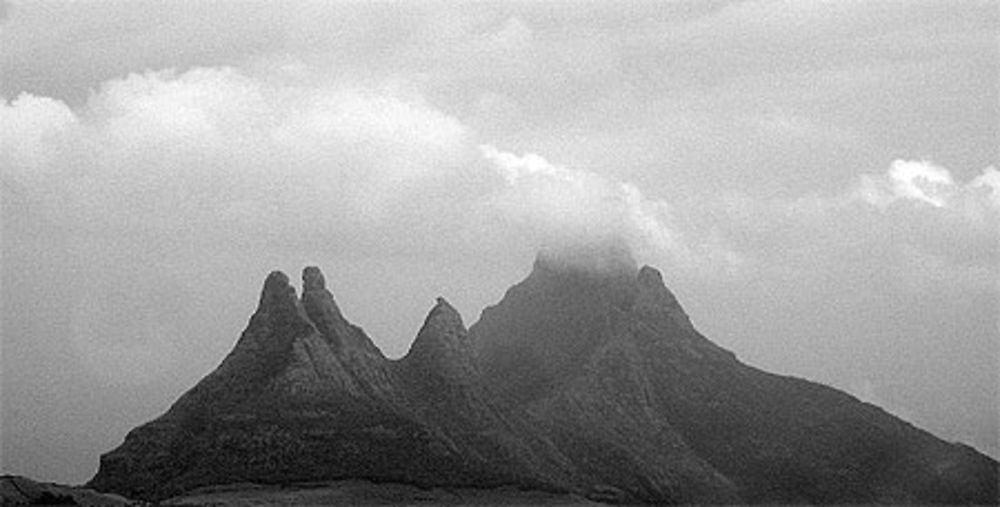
x=322, y=310
x=277, y=296
x=652, y=292
x=444, y=316
x=443, y=323
x=442, y=348
x=320, y=307
x=312, y=279
x=654, y=298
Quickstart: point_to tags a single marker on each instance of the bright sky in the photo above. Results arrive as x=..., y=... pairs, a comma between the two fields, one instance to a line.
x=816, y=179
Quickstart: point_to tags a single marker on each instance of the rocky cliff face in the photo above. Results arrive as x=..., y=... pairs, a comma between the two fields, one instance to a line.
x=587, y=377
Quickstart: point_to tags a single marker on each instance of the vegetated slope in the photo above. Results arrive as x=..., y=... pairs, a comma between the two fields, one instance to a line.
x=305, y=395
x=667, y=397
x=586, y=378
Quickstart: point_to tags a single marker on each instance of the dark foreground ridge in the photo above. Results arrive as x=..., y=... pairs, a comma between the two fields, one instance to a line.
x=16, y=491
x=589, y=382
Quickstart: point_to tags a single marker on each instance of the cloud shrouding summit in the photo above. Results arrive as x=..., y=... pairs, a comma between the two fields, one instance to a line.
x=225, y=152
x=280, y=153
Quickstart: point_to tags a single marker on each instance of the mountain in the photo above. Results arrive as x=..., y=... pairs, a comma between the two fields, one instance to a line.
x=615, y=356
x=587, y=378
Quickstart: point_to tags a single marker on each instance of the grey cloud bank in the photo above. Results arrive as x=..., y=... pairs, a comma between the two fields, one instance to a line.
x=817, y=184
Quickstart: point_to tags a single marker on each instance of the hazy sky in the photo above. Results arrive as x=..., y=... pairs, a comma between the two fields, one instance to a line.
x=816, y=179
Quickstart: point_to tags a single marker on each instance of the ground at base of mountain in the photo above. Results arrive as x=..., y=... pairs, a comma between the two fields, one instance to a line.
x=361, y=492
x=16, y=490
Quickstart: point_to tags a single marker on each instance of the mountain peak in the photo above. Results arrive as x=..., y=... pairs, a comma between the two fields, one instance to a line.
x=443, y=327
x=443, y=315
x=312, y=279
x=276, y=283
x=442, y=350
x=323, y=312
x=652, y=290
x=277, y=295
x=317, y=301
x=583, y=382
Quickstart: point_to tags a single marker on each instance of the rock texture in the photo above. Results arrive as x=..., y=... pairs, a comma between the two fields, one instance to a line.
x=587, y=378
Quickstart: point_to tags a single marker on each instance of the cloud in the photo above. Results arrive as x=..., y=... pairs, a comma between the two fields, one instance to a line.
x=915, y=225
x=280, y=155
x=940, y=221
x=563, y=207
x=919, y=181
x=514, y=35
x=284, y=155
x=925, y=184
x=214, y=148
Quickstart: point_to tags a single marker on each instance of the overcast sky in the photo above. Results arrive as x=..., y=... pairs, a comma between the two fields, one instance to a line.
x=817, y=180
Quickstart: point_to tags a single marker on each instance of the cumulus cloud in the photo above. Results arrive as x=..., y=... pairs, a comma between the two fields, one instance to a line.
x=915, y=224
x=565, y=207
x=166, y=151
x=218, y=151
x=929, y=184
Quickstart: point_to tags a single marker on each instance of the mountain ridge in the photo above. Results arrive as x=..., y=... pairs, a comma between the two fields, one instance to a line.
x=587, y=377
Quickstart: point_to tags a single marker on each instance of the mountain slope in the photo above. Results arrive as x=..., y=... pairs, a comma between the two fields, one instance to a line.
x=304, y=395
x=667, y=396
x=587, y=377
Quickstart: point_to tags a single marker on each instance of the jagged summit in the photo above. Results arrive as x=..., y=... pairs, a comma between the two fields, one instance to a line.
x=586, y=377
x=652, y=295
x=322, y=310
x=441, y=355
x=277, y=294
x=312, y=279
x=444, y=312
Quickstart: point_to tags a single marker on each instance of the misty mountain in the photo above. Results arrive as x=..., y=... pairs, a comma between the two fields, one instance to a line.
x=587, y=378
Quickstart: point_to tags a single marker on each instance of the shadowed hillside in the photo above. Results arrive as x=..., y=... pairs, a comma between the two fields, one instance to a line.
x=587, y=378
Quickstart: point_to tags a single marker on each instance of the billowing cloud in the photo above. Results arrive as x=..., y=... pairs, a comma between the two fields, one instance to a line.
x=166, y=151
x=915, y=224
x=929, y=184
x=564, y=207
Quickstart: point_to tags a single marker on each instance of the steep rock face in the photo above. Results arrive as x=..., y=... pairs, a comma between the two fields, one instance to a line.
x=558, y=347
x=548, y=325
x=688, y=422
x=305, y=395
x=441, y=358
x=441, y=378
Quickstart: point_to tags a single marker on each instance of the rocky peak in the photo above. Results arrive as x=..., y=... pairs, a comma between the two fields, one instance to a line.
x=318, y=302
x=312, y=279
x=653, y=298
x=652, y=292
x=277, y=298
x=322, y=310
x=443, y=316
x=442, y=347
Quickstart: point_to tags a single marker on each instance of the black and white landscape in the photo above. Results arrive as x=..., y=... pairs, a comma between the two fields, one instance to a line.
x=815, y=181
x=586, y=378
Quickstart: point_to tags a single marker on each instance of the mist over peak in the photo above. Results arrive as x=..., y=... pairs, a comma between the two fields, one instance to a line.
x=611, y=257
